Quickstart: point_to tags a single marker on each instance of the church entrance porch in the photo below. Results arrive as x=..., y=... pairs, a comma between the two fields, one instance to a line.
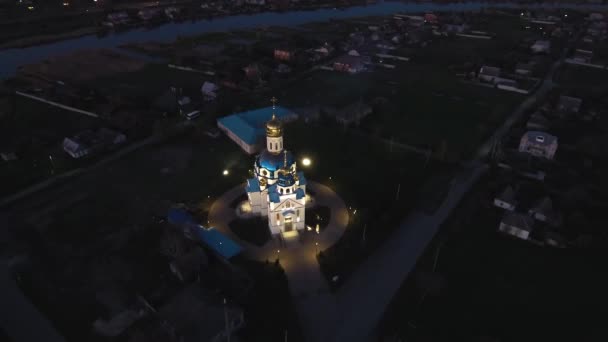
x=288, y=227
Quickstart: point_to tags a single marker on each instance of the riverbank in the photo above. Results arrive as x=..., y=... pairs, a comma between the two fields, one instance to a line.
x=12, y=59
x=48, y=38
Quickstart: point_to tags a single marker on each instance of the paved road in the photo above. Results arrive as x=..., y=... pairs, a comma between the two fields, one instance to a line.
x=364, y=297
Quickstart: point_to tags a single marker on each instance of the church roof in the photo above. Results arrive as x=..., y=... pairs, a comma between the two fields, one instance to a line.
x=274, y=161
x=273, y=195
x=301, y=178
x=300, y=193
x=253, y=185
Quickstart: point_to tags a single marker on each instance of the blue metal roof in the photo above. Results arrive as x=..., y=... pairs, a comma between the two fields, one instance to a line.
x=180, y=217
x=249, y=126
x=273, y=195
x=253, y=185
x=301, y=178
x=220, y=243
x=300, y=193
x=274, y=161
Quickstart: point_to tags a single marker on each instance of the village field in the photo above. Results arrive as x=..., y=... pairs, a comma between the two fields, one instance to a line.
x=34, y=131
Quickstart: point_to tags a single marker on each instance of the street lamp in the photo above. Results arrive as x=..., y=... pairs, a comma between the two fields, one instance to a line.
x=306, y=162
x=225, y=172
x=316, y=248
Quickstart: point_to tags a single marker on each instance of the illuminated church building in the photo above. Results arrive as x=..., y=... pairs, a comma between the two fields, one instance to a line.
x=277, y=190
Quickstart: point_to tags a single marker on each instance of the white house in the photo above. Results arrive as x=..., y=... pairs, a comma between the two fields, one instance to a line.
x=543, y=211
x=209, y=91
x=538, y=144
x=489, y=74
x=517, y=225
x=541, y=46
x=506, y=199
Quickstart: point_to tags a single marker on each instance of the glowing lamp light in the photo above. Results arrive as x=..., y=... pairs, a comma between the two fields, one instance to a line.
x=306, y=162
x=225, y=172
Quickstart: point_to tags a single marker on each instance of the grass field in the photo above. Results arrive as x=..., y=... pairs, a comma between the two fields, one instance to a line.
x=35, y=132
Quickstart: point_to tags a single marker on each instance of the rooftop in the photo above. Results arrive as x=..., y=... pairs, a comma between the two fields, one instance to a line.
x=249, y=126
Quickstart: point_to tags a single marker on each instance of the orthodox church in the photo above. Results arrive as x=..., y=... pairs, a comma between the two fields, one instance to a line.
x=277, y=190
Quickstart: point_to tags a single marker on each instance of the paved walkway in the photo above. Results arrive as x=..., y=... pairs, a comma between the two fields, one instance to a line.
x=315, y=305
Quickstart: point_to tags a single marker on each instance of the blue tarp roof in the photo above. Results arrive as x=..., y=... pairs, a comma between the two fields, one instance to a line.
x=249, y=125
x=211, y=237
x=179, y=216
x=219, y=242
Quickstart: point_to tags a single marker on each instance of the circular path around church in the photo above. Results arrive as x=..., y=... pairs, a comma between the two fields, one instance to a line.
x=221, y=214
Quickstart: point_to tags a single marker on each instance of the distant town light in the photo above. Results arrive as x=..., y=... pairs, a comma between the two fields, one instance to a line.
x=306, y=162
x=225, y=173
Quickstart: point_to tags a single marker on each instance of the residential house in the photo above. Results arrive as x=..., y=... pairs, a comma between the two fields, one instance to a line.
x=524, y=69
x=209, y=91
x=8, y=156
x=516, y=224
x=489, y=74
x=455, y=28
x=89, y=142
x=283, y=69
x=539, y=144
x=353, y=113
x=149, y=13
x=541, y=46
x=543, y=211
x=569, y=105
x=351, y=63
x=506, y=199
x=582, y=56
x=284, y=54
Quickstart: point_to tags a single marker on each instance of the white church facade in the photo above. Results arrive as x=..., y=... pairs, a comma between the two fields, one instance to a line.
x=277, y=190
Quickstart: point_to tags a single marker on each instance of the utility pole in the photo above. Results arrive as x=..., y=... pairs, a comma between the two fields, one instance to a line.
x=398, y=190
x=363, y=237
x=226, y=320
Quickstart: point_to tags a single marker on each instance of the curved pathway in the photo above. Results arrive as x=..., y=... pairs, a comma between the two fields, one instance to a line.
x=315, y=305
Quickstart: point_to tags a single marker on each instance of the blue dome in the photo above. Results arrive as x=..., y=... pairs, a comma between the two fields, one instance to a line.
x=273, y=162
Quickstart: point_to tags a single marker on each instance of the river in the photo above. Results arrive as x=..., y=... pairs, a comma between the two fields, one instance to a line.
x=11, y=59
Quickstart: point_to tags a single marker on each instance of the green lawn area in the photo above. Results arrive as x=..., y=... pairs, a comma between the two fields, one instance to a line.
x=424, y=105
x=253, y=230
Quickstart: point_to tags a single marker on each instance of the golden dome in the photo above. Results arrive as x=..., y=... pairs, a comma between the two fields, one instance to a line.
x=274, y=128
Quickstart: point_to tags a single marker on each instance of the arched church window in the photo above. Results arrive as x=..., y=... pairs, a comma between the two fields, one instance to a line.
x=288, y=190
x=264, y=172
x=278, y=217
x=288, y=205
x=281, y=191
